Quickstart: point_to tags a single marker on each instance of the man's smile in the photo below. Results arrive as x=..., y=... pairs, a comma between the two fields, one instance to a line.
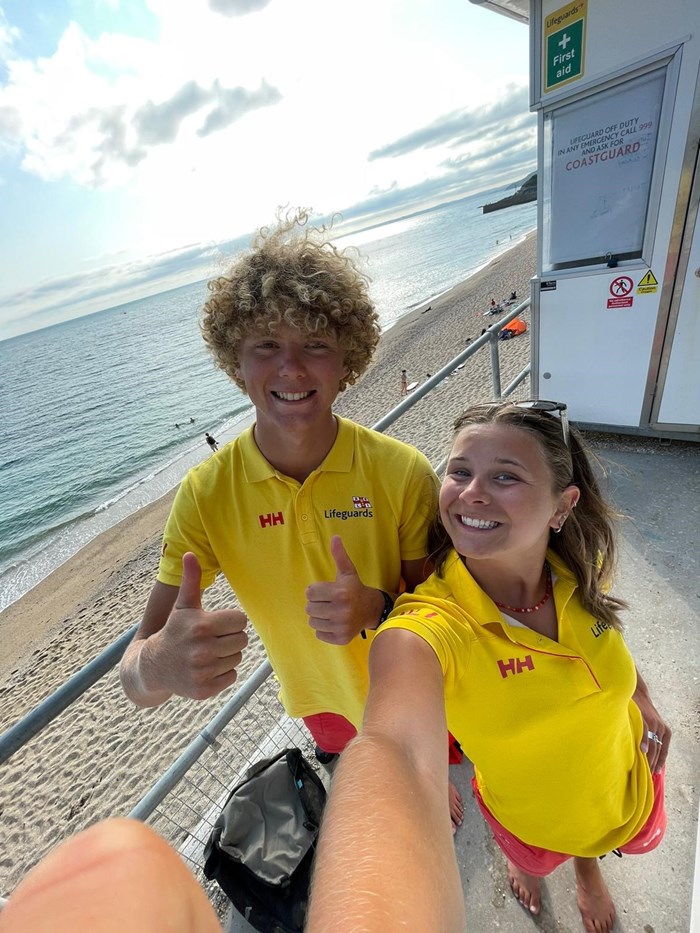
x=292, y=396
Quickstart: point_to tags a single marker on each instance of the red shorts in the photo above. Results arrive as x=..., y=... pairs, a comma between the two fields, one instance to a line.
x=536, y=861
x=332, y=732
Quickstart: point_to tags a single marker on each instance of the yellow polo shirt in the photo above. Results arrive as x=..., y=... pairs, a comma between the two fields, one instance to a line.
x=550, y=726
x=270, y=536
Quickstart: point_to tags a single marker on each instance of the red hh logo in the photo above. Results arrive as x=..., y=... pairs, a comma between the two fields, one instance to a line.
x=360, y=502
x=516, y=665
x=270, y=519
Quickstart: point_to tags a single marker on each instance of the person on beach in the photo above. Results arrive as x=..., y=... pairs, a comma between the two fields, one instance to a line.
x=404, y=382
x=335, y=514
x=515, y=641
x=212, y=441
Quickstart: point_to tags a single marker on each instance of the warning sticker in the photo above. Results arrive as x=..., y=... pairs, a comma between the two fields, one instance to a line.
x=620, y=302
x=647, y=284
x=621, y=286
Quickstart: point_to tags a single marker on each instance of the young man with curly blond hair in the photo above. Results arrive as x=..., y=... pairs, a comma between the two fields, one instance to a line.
x=316, y=522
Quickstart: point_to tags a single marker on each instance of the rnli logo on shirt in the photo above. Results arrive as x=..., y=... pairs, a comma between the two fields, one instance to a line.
x=361, y=508
x=599, y=628
x=271, y=519
x=515, y=665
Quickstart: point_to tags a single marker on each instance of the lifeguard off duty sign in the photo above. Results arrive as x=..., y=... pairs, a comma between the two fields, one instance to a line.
x=564, y=44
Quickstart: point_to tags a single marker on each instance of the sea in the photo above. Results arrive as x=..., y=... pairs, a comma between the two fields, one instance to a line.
x=103, y=414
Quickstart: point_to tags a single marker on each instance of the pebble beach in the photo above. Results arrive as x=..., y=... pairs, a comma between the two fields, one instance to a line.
x=100, y=756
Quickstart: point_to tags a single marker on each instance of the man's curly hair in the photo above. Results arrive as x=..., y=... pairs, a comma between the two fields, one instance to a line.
x=291, y=275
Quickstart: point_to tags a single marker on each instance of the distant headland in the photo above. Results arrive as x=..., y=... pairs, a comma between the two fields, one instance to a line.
x=526, y=192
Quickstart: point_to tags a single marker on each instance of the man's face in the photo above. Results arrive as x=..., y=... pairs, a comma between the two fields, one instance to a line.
x=292, y=377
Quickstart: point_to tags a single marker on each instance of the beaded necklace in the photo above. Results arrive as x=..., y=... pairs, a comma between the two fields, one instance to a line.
x=547, y=594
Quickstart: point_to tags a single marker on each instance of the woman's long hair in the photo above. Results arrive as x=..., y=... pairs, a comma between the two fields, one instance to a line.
x=586, y=542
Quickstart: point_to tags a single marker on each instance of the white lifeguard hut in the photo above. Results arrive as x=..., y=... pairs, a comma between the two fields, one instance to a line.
x=616, y=298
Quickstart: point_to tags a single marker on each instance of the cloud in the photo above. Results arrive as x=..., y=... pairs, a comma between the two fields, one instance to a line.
x=463, y=126
x=497, y=154
x=91, y=111
x=90, y=145
x=8, y=35
x=10, y=124
x=237, y=7
x=463, y=177
x=159, y=123
x=235, y=103
x=114, y=283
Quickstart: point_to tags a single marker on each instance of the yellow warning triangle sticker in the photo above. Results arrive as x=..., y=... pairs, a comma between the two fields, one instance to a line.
x=648, y=279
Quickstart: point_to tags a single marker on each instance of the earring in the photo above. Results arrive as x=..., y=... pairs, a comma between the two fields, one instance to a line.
x=560, y=525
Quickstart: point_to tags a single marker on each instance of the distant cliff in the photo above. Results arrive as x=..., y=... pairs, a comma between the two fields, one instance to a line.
x=526, y=192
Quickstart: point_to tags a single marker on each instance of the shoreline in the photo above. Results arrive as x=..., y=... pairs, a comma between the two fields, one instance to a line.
x=99, y=757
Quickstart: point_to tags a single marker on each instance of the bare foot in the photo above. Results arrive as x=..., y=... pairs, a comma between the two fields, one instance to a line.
x=526, y=888
x=456, y=807
x=593, y=898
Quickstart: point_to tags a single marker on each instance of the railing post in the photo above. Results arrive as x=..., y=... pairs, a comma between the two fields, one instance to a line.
x=495, y=365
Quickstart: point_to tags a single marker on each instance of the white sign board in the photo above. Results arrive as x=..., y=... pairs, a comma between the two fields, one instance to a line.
x=602, y=157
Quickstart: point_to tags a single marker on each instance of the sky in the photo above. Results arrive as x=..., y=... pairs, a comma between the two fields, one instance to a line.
x=142, y=141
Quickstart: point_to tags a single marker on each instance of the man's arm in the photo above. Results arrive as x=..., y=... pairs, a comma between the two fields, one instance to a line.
x=180, y=648
x=386, y=859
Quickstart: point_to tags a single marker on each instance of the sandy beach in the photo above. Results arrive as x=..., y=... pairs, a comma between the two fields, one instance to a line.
x=99, y=757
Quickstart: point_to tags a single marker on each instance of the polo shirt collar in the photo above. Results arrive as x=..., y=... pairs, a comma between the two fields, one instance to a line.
x=339, y=458
x=484, y=612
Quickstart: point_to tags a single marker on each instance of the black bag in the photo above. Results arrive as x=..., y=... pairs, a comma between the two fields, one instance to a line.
x=262, y=846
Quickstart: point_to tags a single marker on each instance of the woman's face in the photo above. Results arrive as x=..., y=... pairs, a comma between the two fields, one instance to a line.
x=497, y=499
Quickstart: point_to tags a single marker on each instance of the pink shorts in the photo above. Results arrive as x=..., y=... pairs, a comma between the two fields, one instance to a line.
x=332, y=732
x=536, y=861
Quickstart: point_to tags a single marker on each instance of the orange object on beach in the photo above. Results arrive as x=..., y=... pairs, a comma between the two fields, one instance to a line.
x=517, y=326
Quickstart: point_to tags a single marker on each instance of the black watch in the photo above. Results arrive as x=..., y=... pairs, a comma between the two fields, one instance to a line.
x=388, y=606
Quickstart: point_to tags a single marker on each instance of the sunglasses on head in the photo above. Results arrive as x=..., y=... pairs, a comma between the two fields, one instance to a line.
x=541, y=404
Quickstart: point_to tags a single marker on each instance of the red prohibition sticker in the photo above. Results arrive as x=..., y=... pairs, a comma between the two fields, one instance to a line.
x=621, y=286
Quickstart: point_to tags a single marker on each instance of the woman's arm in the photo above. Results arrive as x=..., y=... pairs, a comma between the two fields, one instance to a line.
x=656, y=752
x=386, y=857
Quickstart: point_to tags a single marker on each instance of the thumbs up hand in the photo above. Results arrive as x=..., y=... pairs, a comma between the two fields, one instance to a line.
x=197, y=652
x=340, y=609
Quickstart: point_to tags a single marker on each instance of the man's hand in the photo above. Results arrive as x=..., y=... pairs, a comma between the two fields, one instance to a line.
x=339, y=610
x=196, y=653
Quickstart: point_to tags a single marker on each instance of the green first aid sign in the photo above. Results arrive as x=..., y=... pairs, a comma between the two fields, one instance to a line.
x=564, y=46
